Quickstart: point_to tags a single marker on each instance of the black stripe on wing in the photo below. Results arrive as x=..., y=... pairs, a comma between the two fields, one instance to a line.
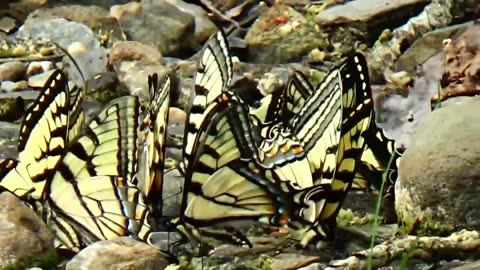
x=376, y=156
x=298, y=89
x=378, y=147
x=76, y=119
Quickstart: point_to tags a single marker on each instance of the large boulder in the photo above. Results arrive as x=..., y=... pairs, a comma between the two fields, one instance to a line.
x=439, y=183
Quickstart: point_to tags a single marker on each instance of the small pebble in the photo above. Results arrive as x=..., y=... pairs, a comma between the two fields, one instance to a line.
x=38, y=67
x=177, y=115
x=7, y=86
x=77, y=48
x=130, y=8
x=316, y=55
x=269, y=84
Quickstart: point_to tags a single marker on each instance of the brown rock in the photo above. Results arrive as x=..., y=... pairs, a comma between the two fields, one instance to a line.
x=78, y=13
x=135, y=51
x=12, y=71
x=282, y=35
x=158, y=23
x=23, y=236
x=371, y=16
x=132, y=8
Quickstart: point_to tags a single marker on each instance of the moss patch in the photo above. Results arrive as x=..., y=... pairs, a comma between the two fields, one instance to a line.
x=48, y=261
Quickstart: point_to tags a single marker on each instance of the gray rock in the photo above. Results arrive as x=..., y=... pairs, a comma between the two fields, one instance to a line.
x=78, y=13
x=363, y=10
x=204, y=27
x=374, y=15
x=144, y=54
x=161, y=24
x=27, y=95
x=427, y=46
x=293, y=261
x=8, y=86
x=121, y=253
x=468, y=266
x=163, y=240
x=91, y=60
x=439, y=181
x=12, y=71
x=23, y=237
x=8, y=140
x=393, y=111
x=172, y=193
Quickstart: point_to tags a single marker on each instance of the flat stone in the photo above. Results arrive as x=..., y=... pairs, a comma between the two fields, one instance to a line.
x=365, y=10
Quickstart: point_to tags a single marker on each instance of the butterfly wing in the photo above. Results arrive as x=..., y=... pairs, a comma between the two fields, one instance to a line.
x=212, y=78
x=91, y=196
x=42, y=140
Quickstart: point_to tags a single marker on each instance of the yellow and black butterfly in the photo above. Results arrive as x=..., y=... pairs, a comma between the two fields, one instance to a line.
x=86, y=180
x=44, y=134
x=320, y=132
x=151, y=157
x=378, y=148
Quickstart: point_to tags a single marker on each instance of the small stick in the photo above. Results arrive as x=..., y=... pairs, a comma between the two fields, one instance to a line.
x=219, y=14
x=31, y=59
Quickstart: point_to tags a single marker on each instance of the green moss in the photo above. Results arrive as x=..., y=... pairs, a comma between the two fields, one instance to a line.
x=264, y=262
x=424, y=227
x=348, y=218
x=46, y=262
x=11, y=109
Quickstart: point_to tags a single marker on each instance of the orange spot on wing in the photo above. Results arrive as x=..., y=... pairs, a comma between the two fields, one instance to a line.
x=272, y=152
x=298, y=150
x=285, y=148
